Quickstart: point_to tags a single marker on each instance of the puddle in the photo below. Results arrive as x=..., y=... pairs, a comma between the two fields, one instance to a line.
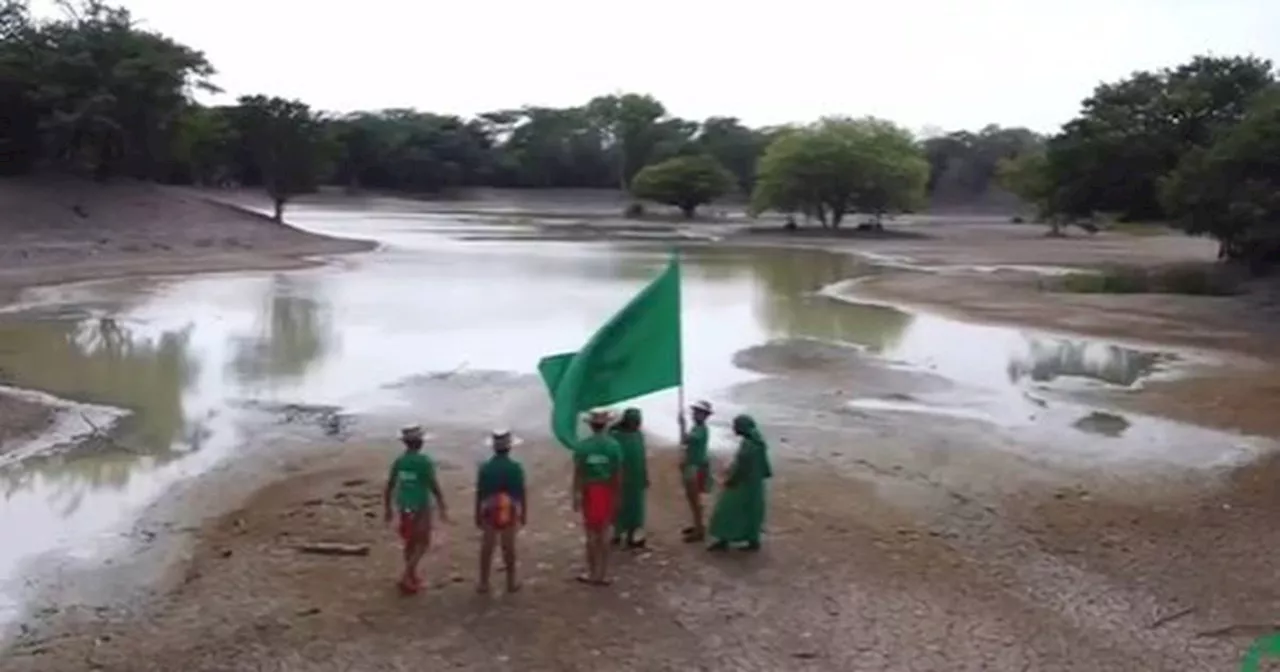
x=190, y=358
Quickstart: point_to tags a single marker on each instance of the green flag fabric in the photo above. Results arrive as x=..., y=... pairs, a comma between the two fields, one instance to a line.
x=636, y=352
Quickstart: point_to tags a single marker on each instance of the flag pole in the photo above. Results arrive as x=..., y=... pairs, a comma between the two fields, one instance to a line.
x=675, y=254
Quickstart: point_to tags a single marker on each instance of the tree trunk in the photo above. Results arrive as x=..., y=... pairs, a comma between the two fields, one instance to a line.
x=279, y=214
x=837, y=215
x=822, y=215
x=688, y=210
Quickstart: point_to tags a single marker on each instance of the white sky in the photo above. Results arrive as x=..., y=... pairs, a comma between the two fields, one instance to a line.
x=947, y=63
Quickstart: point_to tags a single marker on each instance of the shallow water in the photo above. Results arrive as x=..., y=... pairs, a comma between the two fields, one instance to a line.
x=186, y=353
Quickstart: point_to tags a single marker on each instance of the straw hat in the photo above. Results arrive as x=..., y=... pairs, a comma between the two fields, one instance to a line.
x=702, y=405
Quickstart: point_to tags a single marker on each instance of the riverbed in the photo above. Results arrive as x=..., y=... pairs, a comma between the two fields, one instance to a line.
x=178, y=375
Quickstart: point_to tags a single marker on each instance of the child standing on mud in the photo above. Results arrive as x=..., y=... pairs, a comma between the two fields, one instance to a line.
x=597, y=475
x=501, y=509
x=695, y=468
x=413, y=483
x=629, y=519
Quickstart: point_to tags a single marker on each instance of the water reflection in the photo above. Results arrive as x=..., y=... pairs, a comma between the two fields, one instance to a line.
x=790, y=306
x=186, y=353
x=101, y=361
x=1048, y=358
x=294, y=332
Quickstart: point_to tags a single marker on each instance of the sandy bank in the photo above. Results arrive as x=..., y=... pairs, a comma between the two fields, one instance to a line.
x=21, y=419
x=55, y=229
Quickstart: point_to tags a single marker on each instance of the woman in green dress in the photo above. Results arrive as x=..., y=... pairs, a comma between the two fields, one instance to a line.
x=635, y=480
x=739, y=514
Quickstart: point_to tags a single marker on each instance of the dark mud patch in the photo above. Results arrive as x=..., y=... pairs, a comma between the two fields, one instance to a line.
x=849, y=371
x=1103, y=423
x=330, y=419
x=21, y=419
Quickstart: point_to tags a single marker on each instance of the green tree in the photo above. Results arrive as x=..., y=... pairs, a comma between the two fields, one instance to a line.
x=1131, y=133
x=628, y=124
x=19, y=119
x=735, y=146
x=1231, y=189
x=203, y=150
x=841, y=165
x=108, y=93
x=685, y=182
x=963, y=165
x=286, y=141
x=1027, y=177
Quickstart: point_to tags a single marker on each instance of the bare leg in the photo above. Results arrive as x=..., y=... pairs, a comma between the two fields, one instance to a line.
x=589, y=545
x=486, y=558
x=422, y=542
x=603, y=562
x=406, y=577
x=698, y=531
x=509, y=557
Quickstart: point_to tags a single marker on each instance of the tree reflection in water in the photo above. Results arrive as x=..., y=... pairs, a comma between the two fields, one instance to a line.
x=788, y=306
x=295, y=331
x=101, y=362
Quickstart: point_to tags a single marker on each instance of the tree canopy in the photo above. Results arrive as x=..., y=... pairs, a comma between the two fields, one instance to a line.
x=92, y=92
x=1231, y=189
x=841, y=165
x=684, y=181
x=1185, y=144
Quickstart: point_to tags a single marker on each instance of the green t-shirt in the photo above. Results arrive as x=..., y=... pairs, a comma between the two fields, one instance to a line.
x=414, y=474
x=600, y=457
x=695, y=447
x=498, y=474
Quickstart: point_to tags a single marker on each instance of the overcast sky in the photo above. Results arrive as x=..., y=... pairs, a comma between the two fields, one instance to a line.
x=946, y=63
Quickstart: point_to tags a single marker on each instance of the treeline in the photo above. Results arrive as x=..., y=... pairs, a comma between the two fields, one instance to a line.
x=1197, y=146
x=92, y=92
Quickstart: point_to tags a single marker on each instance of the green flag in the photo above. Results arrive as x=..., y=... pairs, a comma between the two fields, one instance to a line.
x=636, y=352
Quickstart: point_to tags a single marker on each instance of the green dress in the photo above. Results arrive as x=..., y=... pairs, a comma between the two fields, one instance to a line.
x=635, y=476
x=740, y=511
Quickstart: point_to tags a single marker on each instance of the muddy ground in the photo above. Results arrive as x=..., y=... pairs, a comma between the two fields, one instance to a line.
x=883, y=553
x=894, y=543
x=21, y=419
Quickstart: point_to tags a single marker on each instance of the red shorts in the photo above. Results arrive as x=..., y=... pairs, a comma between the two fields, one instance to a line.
x=597, y=506
x=499, y=511
x=700, y=479
x=409, y=523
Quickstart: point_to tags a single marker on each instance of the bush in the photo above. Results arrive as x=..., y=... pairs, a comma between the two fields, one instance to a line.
x=1188, y=279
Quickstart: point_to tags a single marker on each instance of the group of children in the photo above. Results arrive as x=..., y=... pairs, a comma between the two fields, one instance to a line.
x=610, y=483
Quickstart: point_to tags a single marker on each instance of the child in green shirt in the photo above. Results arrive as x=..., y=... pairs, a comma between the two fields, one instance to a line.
x=412, y=482
x=501, y=509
